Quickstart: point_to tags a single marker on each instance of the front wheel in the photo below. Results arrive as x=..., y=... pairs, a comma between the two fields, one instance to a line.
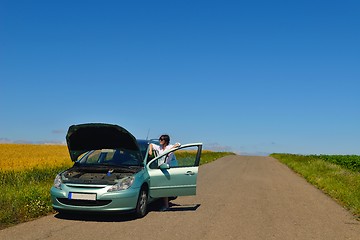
x=141, y=206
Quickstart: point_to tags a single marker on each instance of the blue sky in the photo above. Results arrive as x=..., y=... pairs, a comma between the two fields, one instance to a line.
x=252, y=77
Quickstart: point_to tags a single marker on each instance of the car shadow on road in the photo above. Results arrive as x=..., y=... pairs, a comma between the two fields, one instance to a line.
x=93, y=217
x=123, y=217
x=180, y=208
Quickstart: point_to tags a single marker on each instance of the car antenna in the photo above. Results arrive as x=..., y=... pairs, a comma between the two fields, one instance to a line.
x=147, y=136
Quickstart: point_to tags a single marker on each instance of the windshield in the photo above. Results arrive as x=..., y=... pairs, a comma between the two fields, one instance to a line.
x=144, y=144
x=114, y=157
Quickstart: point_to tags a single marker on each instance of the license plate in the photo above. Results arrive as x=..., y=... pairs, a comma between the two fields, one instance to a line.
x=82, y=196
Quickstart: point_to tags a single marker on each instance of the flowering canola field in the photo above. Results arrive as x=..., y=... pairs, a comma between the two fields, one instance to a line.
x=19, y=157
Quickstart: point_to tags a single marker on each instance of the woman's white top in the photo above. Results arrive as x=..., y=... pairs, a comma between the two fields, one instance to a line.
x=171, y=159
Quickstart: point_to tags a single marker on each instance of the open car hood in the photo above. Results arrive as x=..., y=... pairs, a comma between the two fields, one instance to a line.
x=91, y=136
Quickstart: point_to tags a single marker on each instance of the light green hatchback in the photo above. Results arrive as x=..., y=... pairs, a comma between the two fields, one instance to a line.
x=114, y=173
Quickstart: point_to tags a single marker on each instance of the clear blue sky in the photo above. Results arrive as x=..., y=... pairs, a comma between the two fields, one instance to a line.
x=253, y=77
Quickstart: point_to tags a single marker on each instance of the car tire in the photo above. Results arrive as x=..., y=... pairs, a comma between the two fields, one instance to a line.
x=142, y=203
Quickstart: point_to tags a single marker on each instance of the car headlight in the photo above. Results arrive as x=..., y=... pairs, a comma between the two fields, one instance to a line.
x=123, y=184
x=57, y=182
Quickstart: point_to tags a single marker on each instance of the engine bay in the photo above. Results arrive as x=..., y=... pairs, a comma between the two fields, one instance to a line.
x=93, y=175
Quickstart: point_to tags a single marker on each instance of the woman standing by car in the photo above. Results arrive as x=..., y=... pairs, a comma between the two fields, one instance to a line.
x=171, y=160
x=165, y=146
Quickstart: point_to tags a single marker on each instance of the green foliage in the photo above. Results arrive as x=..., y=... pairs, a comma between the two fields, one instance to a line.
x=351, y=162
x=339, y=179
x=25, y=194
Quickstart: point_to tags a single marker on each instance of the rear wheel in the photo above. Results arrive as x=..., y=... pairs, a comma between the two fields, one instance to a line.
x=141, y=206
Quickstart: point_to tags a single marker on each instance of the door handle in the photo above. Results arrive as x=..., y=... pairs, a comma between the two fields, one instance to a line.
x=189, y=173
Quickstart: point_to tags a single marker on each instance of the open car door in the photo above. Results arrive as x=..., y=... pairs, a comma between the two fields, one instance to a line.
x=175, y=179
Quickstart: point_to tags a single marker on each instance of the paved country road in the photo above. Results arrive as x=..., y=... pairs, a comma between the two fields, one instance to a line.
x=239, y=197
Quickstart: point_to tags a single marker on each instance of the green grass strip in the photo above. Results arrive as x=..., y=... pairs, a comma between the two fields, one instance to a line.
x=207, y=156
x=336, y=180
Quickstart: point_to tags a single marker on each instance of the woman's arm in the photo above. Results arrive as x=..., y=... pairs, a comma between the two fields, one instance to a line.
x=150, y=149
x=176, y=145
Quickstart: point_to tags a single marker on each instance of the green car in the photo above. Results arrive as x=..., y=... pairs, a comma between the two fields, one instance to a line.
x=113, y=172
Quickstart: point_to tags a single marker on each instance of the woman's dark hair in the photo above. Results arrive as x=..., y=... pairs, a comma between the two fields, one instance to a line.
x=166, y=138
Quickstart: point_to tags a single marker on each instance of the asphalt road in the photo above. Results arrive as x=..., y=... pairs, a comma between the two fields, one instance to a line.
x=239, y=197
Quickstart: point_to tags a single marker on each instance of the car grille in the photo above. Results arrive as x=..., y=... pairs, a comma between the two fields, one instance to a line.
x=83, y=202
x=83, y=186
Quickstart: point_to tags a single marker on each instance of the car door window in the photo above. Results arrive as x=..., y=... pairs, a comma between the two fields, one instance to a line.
x=187, y=156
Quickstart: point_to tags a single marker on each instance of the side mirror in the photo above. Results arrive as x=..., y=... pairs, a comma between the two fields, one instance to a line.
x=164, y=166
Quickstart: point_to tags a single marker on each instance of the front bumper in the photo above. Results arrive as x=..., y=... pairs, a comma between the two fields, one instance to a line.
x=117, y=201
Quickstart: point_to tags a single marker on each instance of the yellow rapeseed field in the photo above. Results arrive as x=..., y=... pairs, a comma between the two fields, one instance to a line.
x=18, y=157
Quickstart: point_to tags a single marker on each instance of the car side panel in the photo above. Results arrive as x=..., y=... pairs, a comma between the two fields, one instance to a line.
x=173, y=182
